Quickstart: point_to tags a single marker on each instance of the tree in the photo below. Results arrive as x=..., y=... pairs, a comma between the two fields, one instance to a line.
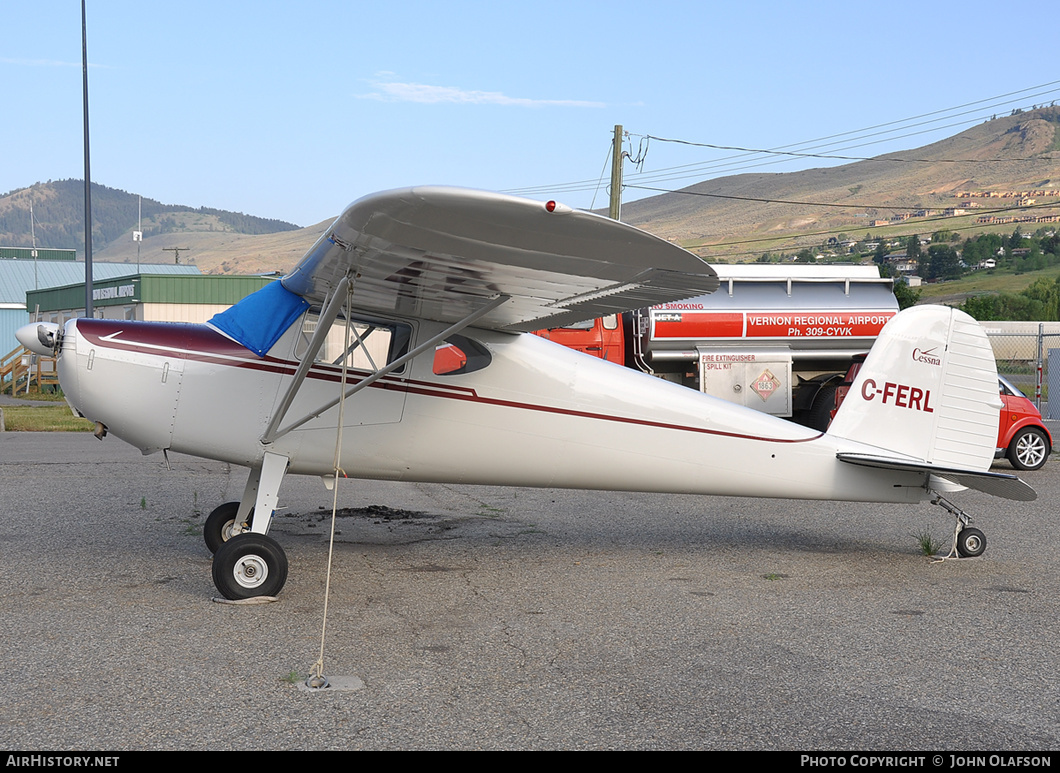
x=944, y=235
x=880, y=256
x=943, y=262
x=912, y=248
x=1039, y=302
x=906, y=295
x=1015, y=241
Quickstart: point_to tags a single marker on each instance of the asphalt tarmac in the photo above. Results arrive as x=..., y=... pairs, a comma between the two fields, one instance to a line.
x=496, y=618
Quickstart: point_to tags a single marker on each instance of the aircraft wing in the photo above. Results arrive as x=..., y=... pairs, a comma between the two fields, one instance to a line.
x=444, y=253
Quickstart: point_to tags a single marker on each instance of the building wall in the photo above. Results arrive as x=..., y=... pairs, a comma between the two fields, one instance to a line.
x=178, y=312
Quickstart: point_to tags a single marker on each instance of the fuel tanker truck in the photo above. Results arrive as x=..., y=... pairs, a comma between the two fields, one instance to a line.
x=778, y=338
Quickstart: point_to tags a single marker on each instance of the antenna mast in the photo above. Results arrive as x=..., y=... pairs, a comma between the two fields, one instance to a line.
x=176, y=252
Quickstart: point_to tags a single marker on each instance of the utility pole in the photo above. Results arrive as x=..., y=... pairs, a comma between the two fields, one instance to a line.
x=33, y=237
x=176, y=252
x=138, y=234
x=615, y=211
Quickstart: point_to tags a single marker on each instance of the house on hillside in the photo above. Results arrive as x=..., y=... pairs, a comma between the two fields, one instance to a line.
x=901, y=262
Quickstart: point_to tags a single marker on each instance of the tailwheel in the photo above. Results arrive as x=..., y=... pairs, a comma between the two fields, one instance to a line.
x=971, y=542
x=249, y=565
x=968, y=542
x=220, y=524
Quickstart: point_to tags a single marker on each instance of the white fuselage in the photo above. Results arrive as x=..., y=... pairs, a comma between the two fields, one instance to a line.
x=538, y=415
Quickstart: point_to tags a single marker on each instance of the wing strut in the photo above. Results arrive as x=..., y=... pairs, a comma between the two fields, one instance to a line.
x=272, y=433
x=327, y=318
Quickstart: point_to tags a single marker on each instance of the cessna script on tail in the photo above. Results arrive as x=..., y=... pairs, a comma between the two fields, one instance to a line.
x=408, y=318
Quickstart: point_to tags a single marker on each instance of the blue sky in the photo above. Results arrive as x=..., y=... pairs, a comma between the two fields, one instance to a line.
x=292, y=110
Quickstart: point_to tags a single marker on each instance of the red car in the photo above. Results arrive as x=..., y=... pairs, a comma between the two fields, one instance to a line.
x=1021, y=434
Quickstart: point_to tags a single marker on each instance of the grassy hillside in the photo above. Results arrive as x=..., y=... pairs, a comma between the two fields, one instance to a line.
x=735, y=218
x=954, y=292
x=59, y=208
x=719, y=218
x=228, y=253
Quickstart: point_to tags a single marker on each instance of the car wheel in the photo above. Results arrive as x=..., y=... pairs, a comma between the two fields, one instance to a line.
x=820, y=414
x=1029, y=449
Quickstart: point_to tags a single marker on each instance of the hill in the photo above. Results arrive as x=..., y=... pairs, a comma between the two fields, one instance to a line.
x=59, y=211
x=1015, y=153
x=220, y=253
x=735, y=218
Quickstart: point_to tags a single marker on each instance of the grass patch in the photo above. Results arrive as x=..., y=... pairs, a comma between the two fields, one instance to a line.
x=55, y=396
x=292, y=678
x=988, y=281
x=44, y=418
x=928, y=545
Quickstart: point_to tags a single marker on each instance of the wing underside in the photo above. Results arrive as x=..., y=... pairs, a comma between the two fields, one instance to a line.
x=445, y=253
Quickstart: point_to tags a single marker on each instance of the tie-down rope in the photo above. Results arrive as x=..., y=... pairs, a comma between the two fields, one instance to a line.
x=316, y=675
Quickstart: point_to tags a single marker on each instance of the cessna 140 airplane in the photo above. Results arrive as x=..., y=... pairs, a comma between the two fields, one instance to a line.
x=398, y=349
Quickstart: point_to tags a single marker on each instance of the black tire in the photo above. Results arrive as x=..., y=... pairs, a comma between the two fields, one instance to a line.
x=1029, y=450
x=249, y=565
x=218, y=527
x=971, y=542
x=820, y=414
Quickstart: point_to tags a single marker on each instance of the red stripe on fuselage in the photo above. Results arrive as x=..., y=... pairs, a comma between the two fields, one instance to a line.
x=200, y=343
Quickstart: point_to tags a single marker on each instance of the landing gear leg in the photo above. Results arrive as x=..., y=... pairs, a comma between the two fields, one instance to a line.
x=968, y=542
x=262, y=492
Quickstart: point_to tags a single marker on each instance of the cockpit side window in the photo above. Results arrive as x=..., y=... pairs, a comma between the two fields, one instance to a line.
x=373, y=343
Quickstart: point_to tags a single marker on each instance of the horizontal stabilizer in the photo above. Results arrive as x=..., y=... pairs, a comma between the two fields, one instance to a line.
x=994, y=483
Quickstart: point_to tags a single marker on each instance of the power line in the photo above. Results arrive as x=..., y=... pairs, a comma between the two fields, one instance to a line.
x=751, y=158
x=686, y=192
x=855, y=158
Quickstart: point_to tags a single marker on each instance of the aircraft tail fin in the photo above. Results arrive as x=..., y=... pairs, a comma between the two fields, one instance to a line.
x=927, y=392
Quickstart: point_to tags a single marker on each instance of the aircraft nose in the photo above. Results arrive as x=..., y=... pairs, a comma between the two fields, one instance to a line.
x=38, y=337
x=130, y=394
x=67, y=366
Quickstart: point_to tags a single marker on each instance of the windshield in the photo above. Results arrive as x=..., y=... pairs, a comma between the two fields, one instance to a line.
x=1008, y=388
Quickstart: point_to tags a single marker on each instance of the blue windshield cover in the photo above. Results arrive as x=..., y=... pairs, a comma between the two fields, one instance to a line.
x=258, y=321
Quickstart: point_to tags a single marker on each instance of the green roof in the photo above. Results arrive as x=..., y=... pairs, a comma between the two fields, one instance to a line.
x=36, y=253
x=17, y=277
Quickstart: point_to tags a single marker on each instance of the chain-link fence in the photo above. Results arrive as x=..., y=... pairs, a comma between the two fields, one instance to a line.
x=1023, y=359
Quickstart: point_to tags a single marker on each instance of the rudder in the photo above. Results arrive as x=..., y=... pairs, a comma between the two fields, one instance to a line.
x=927, y=391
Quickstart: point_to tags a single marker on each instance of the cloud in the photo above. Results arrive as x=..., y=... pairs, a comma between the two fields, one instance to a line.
x=38, y=62
x=392, y=91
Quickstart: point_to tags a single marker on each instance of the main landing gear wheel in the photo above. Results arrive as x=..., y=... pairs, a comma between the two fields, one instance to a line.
x=971, y=542
x=249, y=565
x=219, y=525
